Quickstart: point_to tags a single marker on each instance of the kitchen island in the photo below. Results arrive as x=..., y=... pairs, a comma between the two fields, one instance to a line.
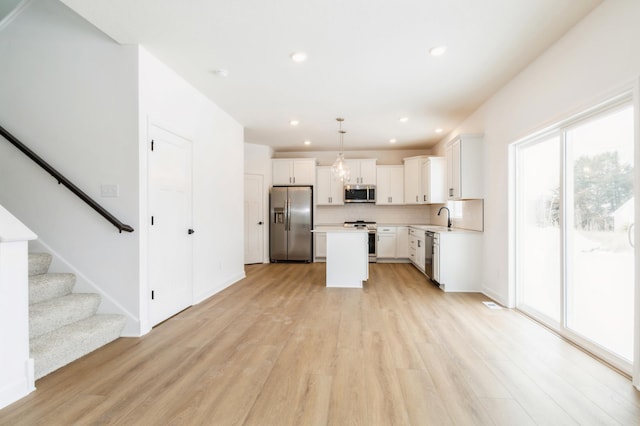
x=347, y=256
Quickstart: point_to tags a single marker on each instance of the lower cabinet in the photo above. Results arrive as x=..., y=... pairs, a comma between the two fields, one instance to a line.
x=456, y=258
x=416, y=248
x=386, y=242
x=458, y=261
x=393, y=242
x=321, y=245
x=402, y=242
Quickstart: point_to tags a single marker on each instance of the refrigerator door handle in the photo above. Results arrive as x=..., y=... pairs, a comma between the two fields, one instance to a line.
x=287, y=208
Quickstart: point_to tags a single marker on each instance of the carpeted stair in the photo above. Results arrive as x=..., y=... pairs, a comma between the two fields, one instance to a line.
x=63, y=326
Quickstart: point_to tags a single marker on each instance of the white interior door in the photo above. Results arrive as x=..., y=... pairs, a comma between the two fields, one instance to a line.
x=170, y=210
x=254, y=223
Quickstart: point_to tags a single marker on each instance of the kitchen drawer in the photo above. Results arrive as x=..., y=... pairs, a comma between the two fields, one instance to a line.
x=413, y=242
x=386, y=230
x=412, y=255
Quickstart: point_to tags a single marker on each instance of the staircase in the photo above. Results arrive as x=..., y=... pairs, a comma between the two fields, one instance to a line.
x=63, y=326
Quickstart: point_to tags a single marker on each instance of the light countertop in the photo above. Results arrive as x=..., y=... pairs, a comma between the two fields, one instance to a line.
x=337, y=228
x=439, y=229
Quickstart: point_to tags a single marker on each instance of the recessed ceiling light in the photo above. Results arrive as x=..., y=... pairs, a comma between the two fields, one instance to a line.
x=438, y=50
x=294, y=122
x=298, y=56
x=307, y=142
x=404, y=119
x=220, y=72
x=438, y=130
x=392, y=141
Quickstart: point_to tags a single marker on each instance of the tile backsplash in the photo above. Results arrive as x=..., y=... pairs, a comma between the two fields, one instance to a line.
x=391, y=215
x=467, y=214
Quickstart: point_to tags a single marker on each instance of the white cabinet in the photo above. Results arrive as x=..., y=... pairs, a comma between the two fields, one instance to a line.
x=386, y=242
x=402, y=242
x=294, y=171
x=424, y=180
x=362, y=171
x=416, y=248
x=321, y=244
x=433, y=180
x=329, y=189
x=464, y=167
x=390, y=185
x=393, y=242
x=412, y=173
x=457, y=265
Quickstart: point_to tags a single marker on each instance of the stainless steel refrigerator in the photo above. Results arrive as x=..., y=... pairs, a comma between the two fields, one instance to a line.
x=290, y=224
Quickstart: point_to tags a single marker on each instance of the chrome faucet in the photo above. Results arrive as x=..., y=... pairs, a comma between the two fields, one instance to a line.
x=448, y=215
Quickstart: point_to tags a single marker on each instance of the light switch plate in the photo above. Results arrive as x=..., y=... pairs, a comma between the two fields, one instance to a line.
x=109, y=190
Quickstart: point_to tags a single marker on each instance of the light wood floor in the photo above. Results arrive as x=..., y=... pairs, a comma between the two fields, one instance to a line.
x=278, y=348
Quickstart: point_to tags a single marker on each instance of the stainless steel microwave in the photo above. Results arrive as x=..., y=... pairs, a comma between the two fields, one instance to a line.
x=359, y=193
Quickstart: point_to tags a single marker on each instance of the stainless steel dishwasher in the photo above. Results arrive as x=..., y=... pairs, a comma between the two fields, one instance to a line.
x=428, y=253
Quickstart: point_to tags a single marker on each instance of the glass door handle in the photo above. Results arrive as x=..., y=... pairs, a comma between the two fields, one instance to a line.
x=630, y=235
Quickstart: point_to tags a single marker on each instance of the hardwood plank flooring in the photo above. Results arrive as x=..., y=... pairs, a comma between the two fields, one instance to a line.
x=279, y=348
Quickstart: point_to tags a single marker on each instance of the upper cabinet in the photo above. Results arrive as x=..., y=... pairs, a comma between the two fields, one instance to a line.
x=390, y=185
x=412, y=180
x=294, y=171
x=329, y=189
x=424, y=180
x=363, y=172
x=464, y=167
x=433, y=180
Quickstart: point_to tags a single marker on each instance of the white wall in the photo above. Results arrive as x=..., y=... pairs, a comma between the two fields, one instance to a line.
x=218, y=175
x=591, y=62
x=16, y=366
x=70, y=94
x=82, y=102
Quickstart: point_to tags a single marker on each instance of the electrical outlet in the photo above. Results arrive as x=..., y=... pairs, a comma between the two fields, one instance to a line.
x=109, y=190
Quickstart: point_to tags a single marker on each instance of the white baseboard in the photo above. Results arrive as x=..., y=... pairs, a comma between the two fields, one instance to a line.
x=20, y=388
x=494, y=296
x=232, y=280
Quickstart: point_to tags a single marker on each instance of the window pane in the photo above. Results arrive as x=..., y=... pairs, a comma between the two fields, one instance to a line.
x=600, y=212
x=538, y=228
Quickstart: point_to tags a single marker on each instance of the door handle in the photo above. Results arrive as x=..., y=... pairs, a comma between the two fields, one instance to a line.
x=630, y=235
x=260, y=223
x=190, y=231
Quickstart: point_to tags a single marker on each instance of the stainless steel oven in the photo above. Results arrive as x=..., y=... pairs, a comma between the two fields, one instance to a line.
x=372, y=228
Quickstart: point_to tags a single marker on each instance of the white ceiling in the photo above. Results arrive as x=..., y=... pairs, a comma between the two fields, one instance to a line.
x=367, y=60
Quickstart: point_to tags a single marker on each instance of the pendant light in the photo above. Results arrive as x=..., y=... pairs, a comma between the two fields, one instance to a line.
x=340, y=168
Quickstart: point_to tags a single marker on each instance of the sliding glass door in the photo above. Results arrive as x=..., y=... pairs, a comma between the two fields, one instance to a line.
x=538, y=252
x=574, y=229
x=600, y=215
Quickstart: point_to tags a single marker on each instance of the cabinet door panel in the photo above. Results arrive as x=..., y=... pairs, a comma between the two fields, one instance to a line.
x=368, y=172
x=402, y=242
x=281, y=172
x=304, y=172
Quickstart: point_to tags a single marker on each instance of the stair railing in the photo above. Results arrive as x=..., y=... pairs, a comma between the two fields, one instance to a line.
x=64, y=181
